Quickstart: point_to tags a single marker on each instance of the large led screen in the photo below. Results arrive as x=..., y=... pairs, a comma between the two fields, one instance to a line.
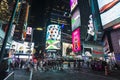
x=75, y=19
x=24, y=47
x=109, y=12
x=53, y=37
x=73, y=4
x=76, y=40
x=66, y=49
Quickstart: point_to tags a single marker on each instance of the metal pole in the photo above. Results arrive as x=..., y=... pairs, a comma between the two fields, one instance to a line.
x=83, y=48
x=32, y=34
x=31, y=43
x=2, y=52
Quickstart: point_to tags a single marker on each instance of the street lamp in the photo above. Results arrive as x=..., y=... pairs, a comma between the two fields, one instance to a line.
x=39, y=29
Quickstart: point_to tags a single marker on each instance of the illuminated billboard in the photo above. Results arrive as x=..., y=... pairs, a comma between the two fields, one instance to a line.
x=76, y=40
x=66, y=49
x=109, y=12
x=22, y=47
x=53, y=37
x=75, y=19
x=73, y=4
x=29, y=30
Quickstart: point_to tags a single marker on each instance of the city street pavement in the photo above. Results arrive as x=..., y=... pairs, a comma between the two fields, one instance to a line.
x=21, y=74
x=70, y=74
x=66, y=74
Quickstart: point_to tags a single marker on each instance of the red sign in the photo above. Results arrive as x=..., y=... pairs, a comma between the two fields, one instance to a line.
x=97, y=52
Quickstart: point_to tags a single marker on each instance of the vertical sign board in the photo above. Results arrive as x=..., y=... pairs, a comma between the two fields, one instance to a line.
x=53, y=40
x=29, y=30
x=75, y=19
x=73, y=4
x=76, y=40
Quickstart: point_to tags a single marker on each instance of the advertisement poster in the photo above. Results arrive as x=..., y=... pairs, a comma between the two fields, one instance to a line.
x=88, y=51
x=22, y=47
x=73, y=4
x=29, y=30
x=109, y=12
x=53, y=37
x=106, y=45
x=76, y=40
x=76, y=22
x=66, y=49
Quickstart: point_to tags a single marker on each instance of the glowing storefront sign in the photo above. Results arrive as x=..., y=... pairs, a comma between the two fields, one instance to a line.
x=73, y=4
x=76, y=40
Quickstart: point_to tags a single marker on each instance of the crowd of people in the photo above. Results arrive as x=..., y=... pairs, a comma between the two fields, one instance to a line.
x=51, y=65
x=46, y=65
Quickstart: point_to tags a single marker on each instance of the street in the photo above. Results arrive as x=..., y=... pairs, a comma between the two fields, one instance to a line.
x=70, y=75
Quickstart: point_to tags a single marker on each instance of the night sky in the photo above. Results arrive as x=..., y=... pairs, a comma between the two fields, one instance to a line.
x=37, y=9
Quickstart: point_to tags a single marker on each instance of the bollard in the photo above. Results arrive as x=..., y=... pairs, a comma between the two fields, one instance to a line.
x=106, y=70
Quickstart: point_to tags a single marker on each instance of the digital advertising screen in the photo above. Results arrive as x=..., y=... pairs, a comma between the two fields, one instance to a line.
x=73, y=4
x=106, y=47
x=25, y=47
x=76, y=40
x=109, y=12
x=117, y=57
x=53, y=37
x=29, y=30
x=66, y=49
x=75, y=19
x=88, y=51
